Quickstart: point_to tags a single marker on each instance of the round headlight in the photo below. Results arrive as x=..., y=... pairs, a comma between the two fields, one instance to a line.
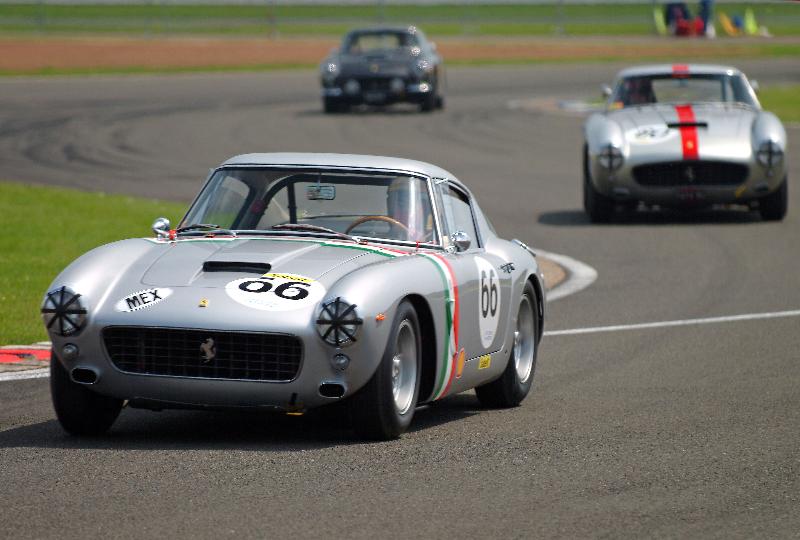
x=338, y=322
x=423, y=66
x=769, y=154
x=610, y=157
x=63, y=312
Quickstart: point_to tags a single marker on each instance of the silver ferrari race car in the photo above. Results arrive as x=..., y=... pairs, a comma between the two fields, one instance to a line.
x=296, y=281
x=683, y=136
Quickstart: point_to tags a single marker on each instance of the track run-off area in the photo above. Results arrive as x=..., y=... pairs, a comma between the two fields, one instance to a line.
x=666, y=399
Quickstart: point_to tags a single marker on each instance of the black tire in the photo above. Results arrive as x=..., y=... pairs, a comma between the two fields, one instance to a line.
x=440, y=102
x=375, y=413
x=599, y=208
x=430, y=102
x=79, y=410
x=332, y=105
x=510, y=389
x=773, y=207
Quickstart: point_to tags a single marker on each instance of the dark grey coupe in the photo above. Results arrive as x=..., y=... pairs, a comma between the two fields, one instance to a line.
x=381, y=66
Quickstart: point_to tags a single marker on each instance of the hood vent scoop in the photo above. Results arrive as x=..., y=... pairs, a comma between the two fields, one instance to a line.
x=234, y=266
x=687, y=124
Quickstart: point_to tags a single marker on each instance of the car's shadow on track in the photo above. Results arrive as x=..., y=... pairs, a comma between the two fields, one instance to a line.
x=361, y=111
x=578, y=218
x=257, y=431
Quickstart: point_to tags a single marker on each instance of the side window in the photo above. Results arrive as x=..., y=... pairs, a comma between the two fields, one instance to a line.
x=458, y=213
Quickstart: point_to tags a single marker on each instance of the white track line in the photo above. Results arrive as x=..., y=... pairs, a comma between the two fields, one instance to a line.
x=684, y=322
x=579, y=275
x=28, y=374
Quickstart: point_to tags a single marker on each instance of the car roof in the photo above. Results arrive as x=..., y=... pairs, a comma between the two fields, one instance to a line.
x=667, y=69
x=380, y=29
x=349, y=161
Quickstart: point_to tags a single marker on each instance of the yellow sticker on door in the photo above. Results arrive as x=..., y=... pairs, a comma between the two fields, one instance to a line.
x=484, y=361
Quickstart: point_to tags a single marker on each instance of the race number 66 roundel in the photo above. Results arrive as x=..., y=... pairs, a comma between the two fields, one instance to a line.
x=489, y=300
x=276, y=292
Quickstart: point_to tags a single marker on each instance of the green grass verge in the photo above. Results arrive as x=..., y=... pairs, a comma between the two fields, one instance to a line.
x=440, y=20
x=52, y=227
x=783, y=101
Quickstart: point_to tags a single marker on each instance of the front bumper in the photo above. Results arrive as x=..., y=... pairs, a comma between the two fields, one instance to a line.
x=371, y=91
x=686, y=182
x=168, y=391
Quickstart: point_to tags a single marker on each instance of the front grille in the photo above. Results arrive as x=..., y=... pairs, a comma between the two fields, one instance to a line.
x=375, y=84
x=692, y=173
x=208, y=354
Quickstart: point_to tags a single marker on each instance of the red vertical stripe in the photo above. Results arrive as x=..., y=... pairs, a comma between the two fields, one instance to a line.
x=688, y=133
x=680, y=70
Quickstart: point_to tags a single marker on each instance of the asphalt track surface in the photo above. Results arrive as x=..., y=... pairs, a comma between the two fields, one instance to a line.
x=659, y=431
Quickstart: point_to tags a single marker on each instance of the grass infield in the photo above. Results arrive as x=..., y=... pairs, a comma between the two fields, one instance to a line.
x=54, y=226
x=783, y=100
x=438, y=20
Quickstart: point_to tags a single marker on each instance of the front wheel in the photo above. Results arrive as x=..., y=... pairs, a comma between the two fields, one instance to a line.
x=79, y=410
x=333, y=105
x=599, y=207
x=773, y=207
x=515, y=382
x=383, y=409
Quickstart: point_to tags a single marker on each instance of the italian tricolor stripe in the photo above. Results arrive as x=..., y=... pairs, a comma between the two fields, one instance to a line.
x=450, y=349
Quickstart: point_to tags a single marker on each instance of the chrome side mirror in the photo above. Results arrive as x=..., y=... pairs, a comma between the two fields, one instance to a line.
x=161, y=227
x=606, y=91
x=461, y=240
x=754, y=85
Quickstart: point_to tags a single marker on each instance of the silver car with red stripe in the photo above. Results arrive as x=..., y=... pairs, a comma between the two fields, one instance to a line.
x=296, y=281
x=683, y=136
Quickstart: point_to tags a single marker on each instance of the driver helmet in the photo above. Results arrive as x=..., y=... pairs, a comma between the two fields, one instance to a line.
x=407, y=202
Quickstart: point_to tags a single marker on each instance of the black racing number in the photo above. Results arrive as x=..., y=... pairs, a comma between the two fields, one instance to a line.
x=255, y=286
x=291, y=290
x=298, y=294
x=488, y=294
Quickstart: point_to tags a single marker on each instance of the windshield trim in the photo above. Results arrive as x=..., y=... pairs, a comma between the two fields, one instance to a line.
x=337, y=168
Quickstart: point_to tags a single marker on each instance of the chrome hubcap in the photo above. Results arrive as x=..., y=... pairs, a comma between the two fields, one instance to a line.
x=404, y=367
x=524, y=340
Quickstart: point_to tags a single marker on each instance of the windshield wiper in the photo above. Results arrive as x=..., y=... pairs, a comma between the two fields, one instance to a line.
x=208, y=227
x=306, y=227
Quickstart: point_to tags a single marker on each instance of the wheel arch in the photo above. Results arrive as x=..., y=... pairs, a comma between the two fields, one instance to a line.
x=537, y=288
x=428, y=340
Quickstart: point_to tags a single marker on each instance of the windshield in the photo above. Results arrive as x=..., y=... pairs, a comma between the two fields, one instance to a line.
x=370, y=42
x=682, y=88
x=376, y=206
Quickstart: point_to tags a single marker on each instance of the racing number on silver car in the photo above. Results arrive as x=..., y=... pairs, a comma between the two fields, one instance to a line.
x=488, y=293
x=276, y=292
x=263, y=285
x=489, y=301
